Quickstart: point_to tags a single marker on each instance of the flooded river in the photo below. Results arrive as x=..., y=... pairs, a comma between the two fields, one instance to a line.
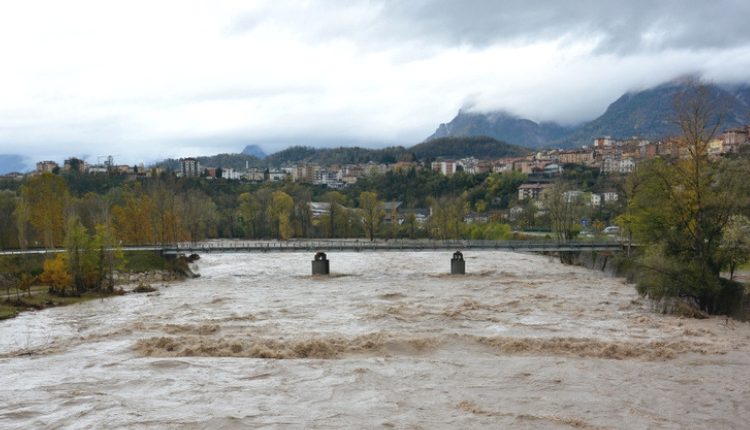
x=387, y=341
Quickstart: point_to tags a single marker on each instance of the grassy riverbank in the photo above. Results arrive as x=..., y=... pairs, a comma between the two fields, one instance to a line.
x=14, y=301
x=42, y=299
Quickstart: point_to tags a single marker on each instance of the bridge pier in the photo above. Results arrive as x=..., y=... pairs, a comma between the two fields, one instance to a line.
x=458, y=265
x=320, y=264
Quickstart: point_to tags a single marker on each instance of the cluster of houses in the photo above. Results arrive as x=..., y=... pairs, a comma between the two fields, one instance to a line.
x=332, y=176
x=108, y=166
x=605, y=154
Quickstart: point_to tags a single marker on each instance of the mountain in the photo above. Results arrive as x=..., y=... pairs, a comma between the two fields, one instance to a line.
x=472, y=146
x=648, y=113
x=11, y=163
x=502, y=126
x=255, y=151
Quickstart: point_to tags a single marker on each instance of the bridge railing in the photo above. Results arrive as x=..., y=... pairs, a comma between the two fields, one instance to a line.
x=405, y=244
x=361, y=245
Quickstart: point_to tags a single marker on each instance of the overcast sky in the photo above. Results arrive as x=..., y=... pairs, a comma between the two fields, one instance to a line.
x=144, y=80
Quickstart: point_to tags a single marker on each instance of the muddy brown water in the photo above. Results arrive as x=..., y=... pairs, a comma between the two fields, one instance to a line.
x=389, y=341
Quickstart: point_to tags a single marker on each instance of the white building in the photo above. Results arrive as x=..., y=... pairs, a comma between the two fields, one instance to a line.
x=627, y=165
x=610, y=196
x=229, y=173
x=277, y=175
x=531, y=191
x=446, y=167
x=189, y=168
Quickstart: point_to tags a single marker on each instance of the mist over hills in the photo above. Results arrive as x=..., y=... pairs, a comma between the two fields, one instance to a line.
x=648, y=114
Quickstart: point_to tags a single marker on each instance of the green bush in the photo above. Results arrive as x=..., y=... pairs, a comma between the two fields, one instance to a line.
x=488, y=231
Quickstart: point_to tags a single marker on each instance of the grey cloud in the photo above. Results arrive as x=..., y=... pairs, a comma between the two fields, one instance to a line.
x=623, y=26
x=620, y=26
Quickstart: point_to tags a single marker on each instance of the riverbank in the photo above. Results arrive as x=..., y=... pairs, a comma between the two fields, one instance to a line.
x=619, y=265
x=12, y=306
x=139, y=268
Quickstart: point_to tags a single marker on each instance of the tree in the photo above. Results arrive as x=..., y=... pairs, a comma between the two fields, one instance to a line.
x=502, y=187
x=302, y=214
x=447, y=217
x=134, y=219
x=198, y=213
x=56, y=274
x=529, y=215
x=81, y=261
x=45, y=196
x=91, y=209
x=565, y=206
x=336, y=200
x=395, y=226
x=168, y=227
x=109, y=256
x=372, y=212
x=21, y=214
x=410, y=222
x=8, y=230
x=25, y=281
x=279, y=212
x=735, y=243
x=248, y=213
x=628, y=220
x=683, y=210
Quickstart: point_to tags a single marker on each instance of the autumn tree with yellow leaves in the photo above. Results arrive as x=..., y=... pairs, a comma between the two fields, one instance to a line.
x=43, y=201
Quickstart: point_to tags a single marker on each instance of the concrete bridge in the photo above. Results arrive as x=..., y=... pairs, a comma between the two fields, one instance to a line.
x=306, y=245
x=391, y=245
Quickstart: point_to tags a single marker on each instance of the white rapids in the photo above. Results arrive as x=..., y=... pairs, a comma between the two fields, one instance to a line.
x=389, y=340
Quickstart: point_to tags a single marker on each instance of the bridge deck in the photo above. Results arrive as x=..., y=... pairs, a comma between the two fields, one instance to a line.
x=361, y=246
x=395, y=245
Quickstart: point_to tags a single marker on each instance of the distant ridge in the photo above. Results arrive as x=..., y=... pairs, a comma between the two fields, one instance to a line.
x=255, y=151
x=470, y=146
x=448, y=147
x=341, y=155
x=650, y=114
x=502, y=126
x=647, y=113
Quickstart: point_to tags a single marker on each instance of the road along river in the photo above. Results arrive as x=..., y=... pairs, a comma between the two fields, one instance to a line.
x=389, y=340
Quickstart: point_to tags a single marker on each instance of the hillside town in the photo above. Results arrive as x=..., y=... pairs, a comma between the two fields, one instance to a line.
x=605, y=154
